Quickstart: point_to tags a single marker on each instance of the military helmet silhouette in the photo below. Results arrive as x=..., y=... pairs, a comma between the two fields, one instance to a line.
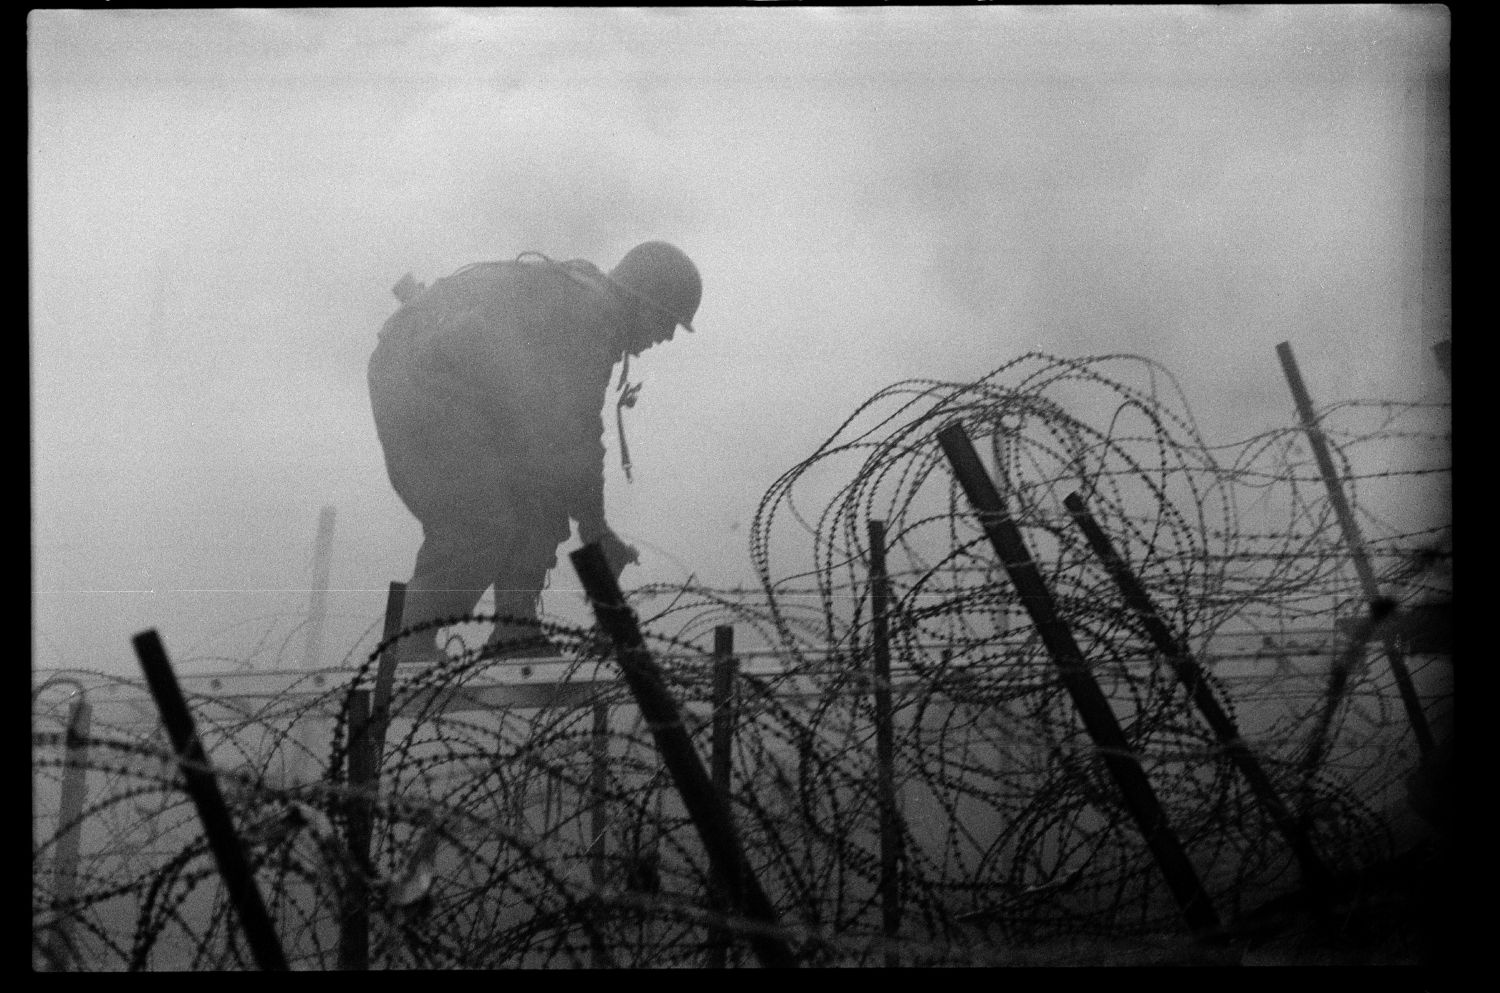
x=662, y=276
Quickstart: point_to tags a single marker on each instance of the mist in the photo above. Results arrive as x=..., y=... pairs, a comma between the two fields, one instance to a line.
x=221, y=201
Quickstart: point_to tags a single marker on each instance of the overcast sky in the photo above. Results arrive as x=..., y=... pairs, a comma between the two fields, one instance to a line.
x=220, y=202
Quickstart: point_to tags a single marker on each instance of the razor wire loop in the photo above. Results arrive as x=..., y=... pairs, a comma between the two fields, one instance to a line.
x=1020, y=836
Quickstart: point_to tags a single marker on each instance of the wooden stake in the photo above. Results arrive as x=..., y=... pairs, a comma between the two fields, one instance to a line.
x=369, y=718
x=1093, y=707
x=203, y=788
x=709, y=812
x=317, y=603
x=70, y=808
x=1355, y=542
x=385, y=673
x=354, y=922
x=723, y=704
x=1190, y=675
x=885, y=745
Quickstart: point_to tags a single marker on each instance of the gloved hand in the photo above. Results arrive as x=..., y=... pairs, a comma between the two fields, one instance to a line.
x=616, y=552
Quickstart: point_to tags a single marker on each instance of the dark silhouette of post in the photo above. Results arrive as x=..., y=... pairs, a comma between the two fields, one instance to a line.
x=1089, y=700
x=885, y=744
x=710, y=814
x=1190, y=675
x=203, y=788
x=69, y=810
x=354, y=921
x=720, y=758
x=1355, y=541
x=385, y=672
x=369, y=718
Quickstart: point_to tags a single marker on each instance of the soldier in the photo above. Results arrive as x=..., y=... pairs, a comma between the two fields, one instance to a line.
x=488, y=390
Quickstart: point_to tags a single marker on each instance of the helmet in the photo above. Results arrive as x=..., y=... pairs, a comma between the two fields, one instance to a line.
x=662, y=276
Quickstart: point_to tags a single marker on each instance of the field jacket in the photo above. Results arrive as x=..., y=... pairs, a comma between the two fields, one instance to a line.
x=488, y=390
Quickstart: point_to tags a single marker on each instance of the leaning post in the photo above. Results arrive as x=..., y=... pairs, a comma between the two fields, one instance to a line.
x=203, y=788
x=1355, y=541
x=709, y=812
x=1093, y=707
x=1192, y=678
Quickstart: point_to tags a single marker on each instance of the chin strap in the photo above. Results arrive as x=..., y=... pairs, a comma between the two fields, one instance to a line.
x=627, y=397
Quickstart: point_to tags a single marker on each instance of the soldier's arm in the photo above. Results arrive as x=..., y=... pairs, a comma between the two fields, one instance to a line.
x=586, y=491
x=585, y=483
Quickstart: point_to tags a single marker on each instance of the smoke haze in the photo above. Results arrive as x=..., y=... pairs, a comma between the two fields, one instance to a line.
x=220, y=202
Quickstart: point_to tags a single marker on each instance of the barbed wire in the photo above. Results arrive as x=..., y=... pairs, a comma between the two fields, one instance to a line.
x=545, y=832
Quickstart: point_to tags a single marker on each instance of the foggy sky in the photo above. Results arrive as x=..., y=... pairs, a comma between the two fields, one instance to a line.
x=220, y=202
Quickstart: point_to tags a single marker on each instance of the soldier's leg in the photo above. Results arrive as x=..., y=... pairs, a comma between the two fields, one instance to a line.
x=454, y=567
x=521, y=574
